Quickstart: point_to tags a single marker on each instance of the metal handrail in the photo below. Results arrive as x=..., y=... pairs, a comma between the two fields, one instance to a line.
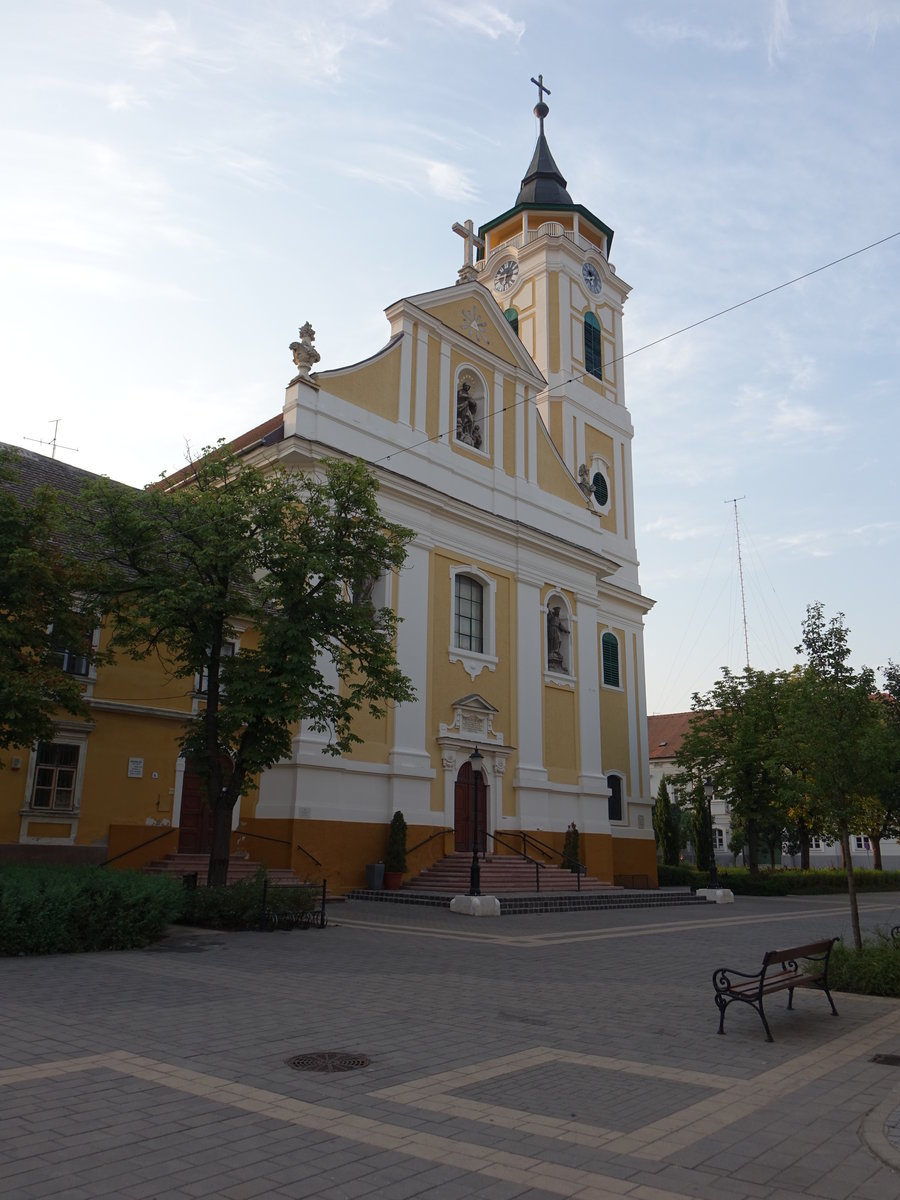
x=303, y=850
x=149, y=842
x=264, y=837
x=537, y=865
x=581, y=869
x=430, y=838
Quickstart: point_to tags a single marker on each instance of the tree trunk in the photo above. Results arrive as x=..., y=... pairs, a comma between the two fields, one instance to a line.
x=851, y=888
x=753, y=847
x=220, y=853
x=876, y=853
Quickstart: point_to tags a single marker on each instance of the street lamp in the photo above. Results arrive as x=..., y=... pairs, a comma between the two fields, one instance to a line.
x=713, y=866
x=476, y=759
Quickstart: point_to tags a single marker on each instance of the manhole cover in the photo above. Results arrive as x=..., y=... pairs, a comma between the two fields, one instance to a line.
x=887, y=1060
x=328, y=1061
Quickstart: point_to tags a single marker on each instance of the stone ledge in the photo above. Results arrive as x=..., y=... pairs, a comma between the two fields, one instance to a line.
x=717, y=895
x=476, y=906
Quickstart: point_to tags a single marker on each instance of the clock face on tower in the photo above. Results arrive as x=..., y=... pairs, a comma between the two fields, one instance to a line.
x=505, y=275
x=592, y=278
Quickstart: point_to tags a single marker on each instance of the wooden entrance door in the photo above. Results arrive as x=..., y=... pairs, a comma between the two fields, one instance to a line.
x=464, y=810
x=196, y=821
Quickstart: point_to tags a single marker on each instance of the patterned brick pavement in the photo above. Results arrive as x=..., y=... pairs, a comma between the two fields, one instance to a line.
x=568, y=1055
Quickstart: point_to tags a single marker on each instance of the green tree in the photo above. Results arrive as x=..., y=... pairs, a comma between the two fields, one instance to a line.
x=667, y=825
x=43, y=613
x=289, y=559
x=701, y=834
x=736, y=739
x=834, y=717
x=571, y=853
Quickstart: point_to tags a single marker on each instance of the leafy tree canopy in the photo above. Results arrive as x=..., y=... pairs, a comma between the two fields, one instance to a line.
x=42, y=613
x=283, y=561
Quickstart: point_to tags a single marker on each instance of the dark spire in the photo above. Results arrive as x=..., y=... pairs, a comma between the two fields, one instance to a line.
x=543, y=182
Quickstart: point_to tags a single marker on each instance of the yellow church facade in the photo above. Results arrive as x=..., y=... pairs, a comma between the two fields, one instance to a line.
x=495, y=421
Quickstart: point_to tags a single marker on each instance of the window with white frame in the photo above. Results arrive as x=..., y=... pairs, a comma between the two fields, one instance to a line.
x=609, y=645
x=815, y=843
x=862, y=843
x=55, y=776
x=229, y=649
x=472, y=595
x=614, y=783
x=719, y=835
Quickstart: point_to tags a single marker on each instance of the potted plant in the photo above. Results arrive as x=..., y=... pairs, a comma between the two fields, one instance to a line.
x=395, y=855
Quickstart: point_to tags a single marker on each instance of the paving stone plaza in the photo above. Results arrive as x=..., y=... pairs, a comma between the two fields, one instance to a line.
x=528, y=1057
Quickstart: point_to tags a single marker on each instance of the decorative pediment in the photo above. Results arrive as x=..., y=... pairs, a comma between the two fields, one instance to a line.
x=473, y=721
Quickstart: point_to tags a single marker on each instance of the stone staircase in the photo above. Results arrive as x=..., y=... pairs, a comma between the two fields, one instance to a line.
x=240, y=867
x=501, y=875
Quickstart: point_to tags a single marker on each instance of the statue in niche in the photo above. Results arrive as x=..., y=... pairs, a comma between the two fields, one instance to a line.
x=584, y=481
x=557, y=632
x=467, y=429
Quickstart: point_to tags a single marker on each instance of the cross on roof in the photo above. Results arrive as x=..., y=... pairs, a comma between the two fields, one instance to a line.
x=539, y=84
x=472, y=239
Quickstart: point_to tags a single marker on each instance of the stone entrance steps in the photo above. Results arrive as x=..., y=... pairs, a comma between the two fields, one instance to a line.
x=503, y=874
x=240, y=867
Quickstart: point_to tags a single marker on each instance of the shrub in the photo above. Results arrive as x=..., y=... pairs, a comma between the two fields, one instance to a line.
x=571, y=854
x=780, y=881
x=872, y=971
x=395, y=855
x=240, y=905
x=681, y=877
x=64, y=910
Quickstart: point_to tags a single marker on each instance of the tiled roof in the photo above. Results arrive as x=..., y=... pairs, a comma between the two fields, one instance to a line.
x=266, y=434
x=31, y=471
x=666, y=733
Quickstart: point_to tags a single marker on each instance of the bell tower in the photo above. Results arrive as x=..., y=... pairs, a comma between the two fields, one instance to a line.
x=546, y=263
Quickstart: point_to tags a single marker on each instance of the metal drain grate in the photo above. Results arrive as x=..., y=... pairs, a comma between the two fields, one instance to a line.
x=328, y=1061
x=887, y=1060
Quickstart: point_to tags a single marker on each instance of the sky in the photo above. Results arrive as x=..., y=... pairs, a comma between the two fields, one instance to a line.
x=184, y=185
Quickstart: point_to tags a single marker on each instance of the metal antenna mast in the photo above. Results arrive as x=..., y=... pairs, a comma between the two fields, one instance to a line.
x=52, y=441
x=737, y=533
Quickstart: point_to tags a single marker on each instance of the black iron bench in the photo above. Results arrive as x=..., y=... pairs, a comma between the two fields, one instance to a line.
x=782, y=970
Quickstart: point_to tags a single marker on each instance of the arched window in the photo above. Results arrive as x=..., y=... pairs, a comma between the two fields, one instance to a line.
x=614, y=783
x=513, y=317
x=610, y=645
x=468, y=631
x=593, y=346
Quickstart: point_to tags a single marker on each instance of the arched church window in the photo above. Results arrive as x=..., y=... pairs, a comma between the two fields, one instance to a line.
x=610, y=648
x=468, y=632
x=471, y=409
x=593, y=346
x=614, y=783
x=512, y=316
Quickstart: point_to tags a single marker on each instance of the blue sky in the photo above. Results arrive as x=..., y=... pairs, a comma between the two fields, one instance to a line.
x=185, y=185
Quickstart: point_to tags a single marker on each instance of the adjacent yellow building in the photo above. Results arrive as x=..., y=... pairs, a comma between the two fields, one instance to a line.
x=495, y=421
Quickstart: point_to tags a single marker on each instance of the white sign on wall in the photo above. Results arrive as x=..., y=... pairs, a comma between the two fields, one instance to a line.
x=135, y=768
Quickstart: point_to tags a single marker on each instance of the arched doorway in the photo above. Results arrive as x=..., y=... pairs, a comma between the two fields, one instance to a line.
x=196, y=821
x=464, y=810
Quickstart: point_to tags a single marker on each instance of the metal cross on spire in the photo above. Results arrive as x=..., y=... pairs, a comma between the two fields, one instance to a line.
x=540, y=109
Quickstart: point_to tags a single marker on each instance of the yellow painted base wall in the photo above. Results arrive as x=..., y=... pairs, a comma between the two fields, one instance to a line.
x=133, y=846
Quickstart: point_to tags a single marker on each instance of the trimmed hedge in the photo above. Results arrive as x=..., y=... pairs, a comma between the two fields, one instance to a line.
x=239, y=906
x=781, y=881
x=872, y=971
x=65, y=910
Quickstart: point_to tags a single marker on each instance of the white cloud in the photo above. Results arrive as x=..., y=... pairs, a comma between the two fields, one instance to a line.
x=678, y=31
x=413, y=173
x=485, y=19
x=779, y=29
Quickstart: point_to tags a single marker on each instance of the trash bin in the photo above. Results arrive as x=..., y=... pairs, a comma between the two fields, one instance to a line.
x=374, y=876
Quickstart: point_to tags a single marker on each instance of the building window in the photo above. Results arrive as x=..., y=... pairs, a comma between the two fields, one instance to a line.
x=593, y=346
x=77, y=661
x=54, y=777
x=229, y=649
x=815, y=843
x=468, y=630
x=513, y=317
x=610, y=646
x=720, y=837
x=614, y=783
x=862, y=843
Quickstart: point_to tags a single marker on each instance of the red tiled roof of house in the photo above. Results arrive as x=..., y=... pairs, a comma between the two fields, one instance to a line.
x=666, y=733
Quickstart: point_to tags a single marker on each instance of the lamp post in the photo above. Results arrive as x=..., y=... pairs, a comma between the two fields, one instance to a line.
x=713, y=865
x=476, y=759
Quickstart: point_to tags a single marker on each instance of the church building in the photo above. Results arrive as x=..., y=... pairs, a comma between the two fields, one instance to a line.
x=495, y=421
